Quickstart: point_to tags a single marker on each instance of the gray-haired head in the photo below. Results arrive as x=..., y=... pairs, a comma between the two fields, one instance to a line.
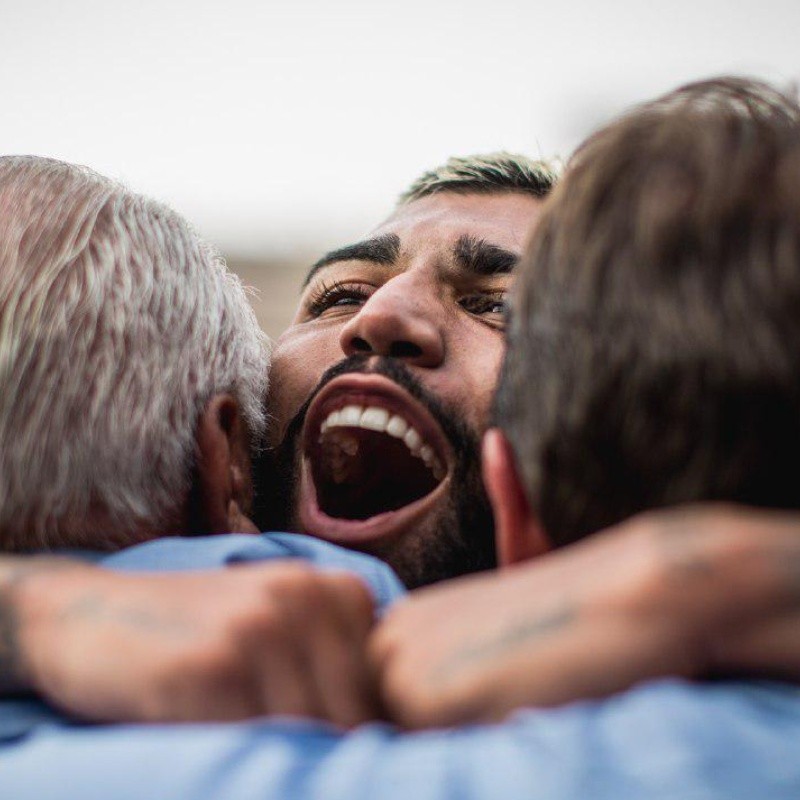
x=117, y=325
x=491, y=173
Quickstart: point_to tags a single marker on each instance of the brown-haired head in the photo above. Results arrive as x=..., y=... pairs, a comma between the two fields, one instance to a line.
x=654, y=350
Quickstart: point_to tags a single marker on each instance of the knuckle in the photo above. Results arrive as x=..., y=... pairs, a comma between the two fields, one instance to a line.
x=354, y=592
x=394, y=627
x=213, y=663
x=174, y=683
x=299, y=573
x=300, y=582
x=265, y=623
x=241, y=624
x=381, y=650
x=407, y=704
x=393, y=689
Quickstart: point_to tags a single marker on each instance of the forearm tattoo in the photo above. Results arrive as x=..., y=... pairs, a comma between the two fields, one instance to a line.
x=93, y=607
x=520, y=634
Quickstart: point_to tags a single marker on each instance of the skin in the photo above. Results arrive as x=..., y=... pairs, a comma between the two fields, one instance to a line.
x=691, y=592
x=275, y=638
x=459, y=350
x=446, y=654
x=423, y=308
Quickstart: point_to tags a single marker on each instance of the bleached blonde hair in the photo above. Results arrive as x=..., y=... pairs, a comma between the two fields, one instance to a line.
x=487, y=173
x=117, y=325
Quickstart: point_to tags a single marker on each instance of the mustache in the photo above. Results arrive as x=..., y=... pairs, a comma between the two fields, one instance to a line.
x=465, y=540
x=464, y=440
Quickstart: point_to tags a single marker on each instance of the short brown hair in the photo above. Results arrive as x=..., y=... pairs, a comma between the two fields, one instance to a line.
x=654, y=347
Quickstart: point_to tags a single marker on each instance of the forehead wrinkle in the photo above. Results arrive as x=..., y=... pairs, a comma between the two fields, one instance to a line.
x=383, y=250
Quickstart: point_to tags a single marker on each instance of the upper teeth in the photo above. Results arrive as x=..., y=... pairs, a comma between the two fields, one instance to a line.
x=374, y=418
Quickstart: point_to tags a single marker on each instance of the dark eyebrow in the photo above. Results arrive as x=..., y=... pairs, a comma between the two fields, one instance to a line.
x=381, y=250
x=483, y=258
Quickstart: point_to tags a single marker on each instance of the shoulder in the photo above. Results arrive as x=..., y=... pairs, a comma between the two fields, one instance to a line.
x=175, y=554
x=667, y=739
x=671, y=738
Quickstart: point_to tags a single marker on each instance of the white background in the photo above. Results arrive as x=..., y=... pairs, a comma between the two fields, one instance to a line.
x=283, y=127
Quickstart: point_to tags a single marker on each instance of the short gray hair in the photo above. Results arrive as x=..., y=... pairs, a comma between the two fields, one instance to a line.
x=117, y=325
x=490, y=173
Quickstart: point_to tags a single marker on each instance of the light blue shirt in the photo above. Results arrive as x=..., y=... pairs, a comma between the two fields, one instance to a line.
x=666, y=739
x=173, y=554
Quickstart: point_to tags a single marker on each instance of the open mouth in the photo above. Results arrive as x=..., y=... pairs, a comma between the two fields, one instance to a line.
x=374, y=459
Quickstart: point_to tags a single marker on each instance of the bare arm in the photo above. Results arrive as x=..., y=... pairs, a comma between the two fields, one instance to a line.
x=14, y=572
x=273, y=638
x=685, y=593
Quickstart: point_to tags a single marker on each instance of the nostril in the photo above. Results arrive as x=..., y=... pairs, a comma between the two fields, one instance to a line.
x=360, y=345
x=405, y=350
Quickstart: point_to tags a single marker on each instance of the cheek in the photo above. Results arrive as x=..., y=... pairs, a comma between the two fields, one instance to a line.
x=298, y=360
x=481, y=358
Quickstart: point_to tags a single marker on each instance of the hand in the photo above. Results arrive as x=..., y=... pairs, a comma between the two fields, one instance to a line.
x=14, y=570
x=278, y=638
x=682, y=592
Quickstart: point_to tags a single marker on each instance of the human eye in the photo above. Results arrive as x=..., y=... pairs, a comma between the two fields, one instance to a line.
x=328, y=298
x=491, y=307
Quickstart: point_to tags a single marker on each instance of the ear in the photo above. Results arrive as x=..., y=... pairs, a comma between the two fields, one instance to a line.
x=223, y=469
x=519, y=534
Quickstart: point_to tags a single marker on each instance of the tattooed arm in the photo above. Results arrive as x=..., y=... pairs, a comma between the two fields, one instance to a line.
x=687, y=593
x=675, y=593
x=278, y=637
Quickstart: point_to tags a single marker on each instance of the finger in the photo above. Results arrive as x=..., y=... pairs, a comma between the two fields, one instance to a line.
x=353, y=599
x=287, y=684
x=278, y=661
x=337, y=653
x=388, y=633
x=345, y=684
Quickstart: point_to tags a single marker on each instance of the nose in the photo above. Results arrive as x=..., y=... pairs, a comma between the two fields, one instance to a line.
x=402, y=319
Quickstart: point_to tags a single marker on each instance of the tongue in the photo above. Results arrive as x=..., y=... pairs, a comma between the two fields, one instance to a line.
x=360, y=473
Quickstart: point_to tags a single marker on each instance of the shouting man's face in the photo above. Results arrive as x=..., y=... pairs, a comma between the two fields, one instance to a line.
x=382, y=384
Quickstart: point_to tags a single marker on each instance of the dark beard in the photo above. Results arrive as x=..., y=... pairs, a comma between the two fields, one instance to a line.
x=464, y=538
